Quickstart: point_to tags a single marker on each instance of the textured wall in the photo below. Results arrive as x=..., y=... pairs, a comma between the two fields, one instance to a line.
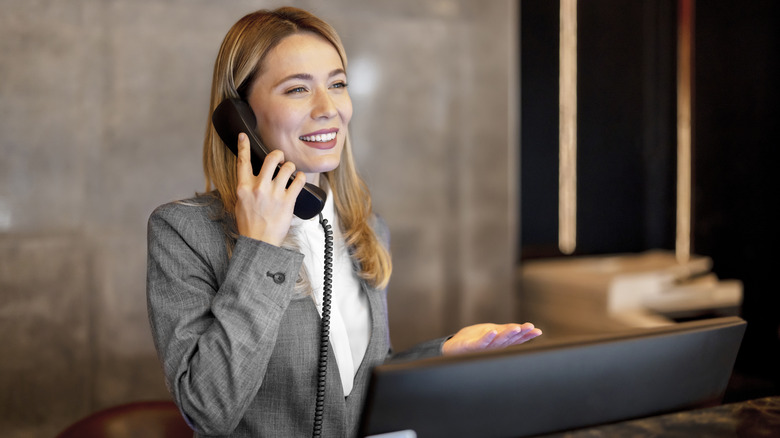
x=102, y=110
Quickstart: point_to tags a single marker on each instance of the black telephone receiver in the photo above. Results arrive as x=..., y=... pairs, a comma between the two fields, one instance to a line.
x=234, y=116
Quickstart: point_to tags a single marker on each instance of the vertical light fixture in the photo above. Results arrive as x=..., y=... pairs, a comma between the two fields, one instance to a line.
x=567, y=128
x=684, y=128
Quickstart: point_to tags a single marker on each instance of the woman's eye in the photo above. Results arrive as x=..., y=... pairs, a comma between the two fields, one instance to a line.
x=296, y=90
x=339, y=84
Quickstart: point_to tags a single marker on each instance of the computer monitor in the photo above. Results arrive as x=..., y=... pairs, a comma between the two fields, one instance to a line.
x=544, y=387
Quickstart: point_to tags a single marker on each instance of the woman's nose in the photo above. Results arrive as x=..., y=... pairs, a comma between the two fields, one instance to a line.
x=324, y=107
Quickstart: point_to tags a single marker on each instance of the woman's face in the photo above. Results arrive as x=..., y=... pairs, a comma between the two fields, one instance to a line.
x=302, y=104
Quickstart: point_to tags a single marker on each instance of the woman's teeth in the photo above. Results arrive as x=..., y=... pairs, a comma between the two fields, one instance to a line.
x=319, y=138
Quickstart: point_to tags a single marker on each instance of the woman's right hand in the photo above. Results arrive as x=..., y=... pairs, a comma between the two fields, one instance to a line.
x=264, y=208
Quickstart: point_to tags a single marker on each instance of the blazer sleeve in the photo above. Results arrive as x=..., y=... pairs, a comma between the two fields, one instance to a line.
x=422, y=350
x=214, y=326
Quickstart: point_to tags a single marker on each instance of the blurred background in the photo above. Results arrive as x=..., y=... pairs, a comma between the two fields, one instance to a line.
x=103, y=106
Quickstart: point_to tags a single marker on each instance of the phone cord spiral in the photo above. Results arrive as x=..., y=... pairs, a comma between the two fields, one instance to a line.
x=322, y=365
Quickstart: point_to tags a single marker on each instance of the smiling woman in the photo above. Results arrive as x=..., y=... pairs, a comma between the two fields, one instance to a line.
x=238, y=288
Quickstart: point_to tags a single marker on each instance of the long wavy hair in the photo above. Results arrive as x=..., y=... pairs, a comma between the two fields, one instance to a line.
x=239, y=62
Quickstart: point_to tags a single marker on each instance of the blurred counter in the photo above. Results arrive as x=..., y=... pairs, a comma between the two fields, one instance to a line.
x=754, y=418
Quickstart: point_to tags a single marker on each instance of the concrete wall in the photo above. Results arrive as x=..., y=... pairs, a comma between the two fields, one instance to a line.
x=103, y=105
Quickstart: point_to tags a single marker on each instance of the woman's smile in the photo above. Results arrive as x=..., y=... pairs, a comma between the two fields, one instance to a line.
x=322, y=139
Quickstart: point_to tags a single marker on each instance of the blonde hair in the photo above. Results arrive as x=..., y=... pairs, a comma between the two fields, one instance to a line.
x=239, y=62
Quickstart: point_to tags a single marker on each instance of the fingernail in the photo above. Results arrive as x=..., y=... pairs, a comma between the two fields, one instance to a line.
x=241, y=136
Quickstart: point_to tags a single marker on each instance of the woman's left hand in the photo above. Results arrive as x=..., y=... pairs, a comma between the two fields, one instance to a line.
x=489, y=336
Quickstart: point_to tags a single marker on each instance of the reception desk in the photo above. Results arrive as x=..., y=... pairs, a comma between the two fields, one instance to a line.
x=753, y=418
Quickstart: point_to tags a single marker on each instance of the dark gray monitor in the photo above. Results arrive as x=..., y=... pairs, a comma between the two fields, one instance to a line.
x=545, y=387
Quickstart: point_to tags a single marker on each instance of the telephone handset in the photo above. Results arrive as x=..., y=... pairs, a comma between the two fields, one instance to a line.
x=234, y=116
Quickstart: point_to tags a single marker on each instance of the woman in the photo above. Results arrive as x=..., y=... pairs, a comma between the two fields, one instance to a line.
x=234, y=283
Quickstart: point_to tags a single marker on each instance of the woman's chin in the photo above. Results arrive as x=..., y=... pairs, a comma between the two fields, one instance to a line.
x=321, y=166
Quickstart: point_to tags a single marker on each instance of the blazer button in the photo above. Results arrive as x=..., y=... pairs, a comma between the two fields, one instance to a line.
x=278, y=277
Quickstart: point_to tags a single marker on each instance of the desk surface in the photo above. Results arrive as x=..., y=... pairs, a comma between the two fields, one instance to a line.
x=753, y=418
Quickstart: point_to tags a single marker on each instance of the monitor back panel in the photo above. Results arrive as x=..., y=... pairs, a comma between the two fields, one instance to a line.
x=544, y=388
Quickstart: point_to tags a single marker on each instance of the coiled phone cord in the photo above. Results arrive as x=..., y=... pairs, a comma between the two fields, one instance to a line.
x=322, y=365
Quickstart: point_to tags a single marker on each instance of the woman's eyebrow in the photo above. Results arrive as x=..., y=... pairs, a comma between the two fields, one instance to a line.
x=337, y=72
x=300, y=76
x=309, y=77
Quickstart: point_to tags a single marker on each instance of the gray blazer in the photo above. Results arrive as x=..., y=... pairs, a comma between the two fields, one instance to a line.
x=238, y=347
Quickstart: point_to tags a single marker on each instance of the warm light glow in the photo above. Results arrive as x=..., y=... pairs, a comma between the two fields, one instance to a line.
x=684, y=130
x=567, y=129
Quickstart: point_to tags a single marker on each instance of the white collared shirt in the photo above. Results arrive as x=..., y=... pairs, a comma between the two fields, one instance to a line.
x=350, y=319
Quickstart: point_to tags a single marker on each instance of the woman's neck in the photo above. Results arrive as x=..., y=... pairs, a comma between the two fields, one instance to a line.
x=313, y=178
